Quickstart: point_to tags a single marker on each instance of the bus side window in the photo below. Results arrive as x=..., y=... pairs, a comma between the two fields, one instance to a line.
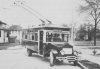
x=67, y=37
x=25, y=36
x=47, y=34
x=62, y=37
x=48, y=37
x=36, y=36
x=0, y=33
x=32, y=37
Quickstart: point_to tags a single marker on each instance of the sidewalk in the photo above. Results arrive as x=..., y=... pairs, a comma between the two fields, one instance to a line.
x=7, y=45
x=15, y=47
x=87, y=53
x=91, y=58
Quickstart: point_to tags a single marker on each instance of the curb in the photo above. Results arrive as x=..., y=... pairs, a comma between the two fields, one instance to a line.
x=81, y=65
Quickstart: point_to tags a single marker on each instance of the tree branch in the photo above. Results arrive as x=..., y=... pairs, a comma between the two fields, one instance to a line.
x=98, y=21
x=98, y=15
x=92, y=15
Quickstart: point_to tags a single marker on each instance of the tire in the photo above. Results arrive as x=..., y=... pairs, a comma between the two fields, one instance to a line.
x=43, y=53
x=75, y=63
x=29, y=52
x=51, y=59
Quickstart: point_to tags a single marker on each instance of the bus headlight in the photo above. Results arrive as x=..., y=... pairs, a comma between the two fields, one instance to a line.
x=62, y=52
x=75, y=53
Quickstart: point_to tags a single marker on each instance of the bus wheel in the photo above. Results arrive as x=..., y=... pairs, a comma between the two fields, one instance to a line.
x=51, y=59
x=75, y=63
x=29, y=53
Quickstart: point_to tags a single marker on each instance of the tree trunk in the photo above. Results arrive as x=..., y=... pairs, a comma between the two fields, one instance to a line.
x=95, y=33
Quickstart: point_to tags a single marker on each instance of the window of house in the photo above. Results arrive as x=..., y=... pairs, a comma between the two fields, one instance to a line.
x=7, y=34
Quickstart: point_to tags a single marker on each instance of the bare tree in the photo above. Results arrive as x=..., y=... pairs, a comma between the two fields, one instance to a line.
x=93, y=9
x=82, y=31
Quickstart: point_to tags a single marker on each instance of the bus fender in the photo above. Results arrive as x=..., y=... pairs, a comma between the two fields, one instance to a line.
x=54, y=51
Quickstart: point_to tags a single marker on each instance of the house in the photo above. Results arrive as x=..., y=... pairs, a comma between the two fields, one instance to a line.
x=16, y=32
x=4, y=33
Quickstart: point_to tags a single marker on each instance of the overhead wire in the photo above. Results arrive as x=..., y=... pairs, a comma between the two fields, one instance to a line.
x=21, y=5
x=42, y=18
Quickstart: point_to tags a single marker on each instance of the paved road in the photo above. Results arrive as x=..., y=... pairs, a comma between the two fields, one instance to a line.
x=16, y=58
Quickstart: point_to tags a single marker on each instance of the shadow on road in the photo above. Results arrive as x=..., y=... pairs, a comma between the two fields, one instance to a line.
x=57, y=63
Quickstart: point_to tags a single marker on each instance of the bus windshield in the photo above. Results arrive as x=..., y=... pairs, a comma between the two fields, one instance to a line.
x=57, y=37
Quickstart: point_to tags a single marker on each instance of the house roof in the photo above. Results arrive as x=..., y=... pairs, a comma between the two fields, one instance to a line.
x=2, y=23
x=3, y=26
x=15, y=28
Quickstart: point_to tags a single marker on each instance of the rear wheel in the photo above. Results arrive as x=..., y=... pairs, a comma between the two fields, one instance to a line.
x=44, y=51
x=51, y=59
x=29, y=52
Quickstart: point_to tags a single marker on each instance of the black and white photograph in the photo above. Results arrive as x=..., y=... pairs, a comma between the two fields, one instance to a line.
x=49, y=34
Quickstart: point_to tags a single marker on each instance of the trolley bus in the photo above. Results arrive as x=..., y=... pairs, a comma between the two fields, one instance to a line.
x=50, y=41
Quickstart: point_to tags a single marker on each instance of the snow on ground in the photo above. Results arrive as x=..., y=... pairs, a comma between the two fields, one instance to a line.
x=87, y=54
x=16, y=58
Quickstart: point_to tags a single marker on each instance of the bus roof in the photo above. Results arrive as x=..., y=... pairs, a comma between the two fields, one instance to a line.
x=51, y=27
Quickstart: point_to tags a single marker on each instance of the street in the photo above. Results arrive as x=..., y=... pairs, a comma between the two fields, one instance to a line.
x=16, y=58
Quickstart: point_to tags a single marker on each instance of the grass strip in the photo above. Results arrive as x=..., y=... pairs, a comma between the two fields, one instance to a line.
x=90, y=65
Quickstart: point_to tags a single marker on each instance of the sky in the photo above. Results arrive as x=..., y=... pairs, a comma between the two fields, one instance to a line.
x=57, y=11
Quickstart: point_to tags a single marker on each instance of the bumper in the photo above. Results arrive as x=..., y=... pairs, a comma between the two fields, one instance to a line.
x=68, y=58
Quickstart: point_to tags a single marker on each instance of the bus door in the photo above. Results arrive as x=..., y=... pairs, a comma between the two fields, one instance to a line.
x=41, y=42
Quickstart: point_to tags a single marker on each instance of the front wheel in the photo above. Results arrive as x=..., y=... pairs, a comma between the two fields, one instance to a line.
x=75, y=63
x=51, y=59
x=29, y=52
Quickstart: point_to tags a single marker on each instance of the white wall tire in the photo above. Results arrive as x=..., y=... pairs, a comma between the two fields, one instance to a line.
x=29, y=53
x=51, y=58
x=75, y=63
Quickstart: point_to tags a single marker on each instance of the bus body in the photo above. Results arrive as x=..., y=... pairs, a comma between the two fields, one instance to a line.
x=49, y=41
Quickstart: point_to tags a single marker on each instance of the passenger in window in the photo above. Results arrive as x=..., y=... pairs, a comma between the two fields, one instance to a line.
x=62, y=37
